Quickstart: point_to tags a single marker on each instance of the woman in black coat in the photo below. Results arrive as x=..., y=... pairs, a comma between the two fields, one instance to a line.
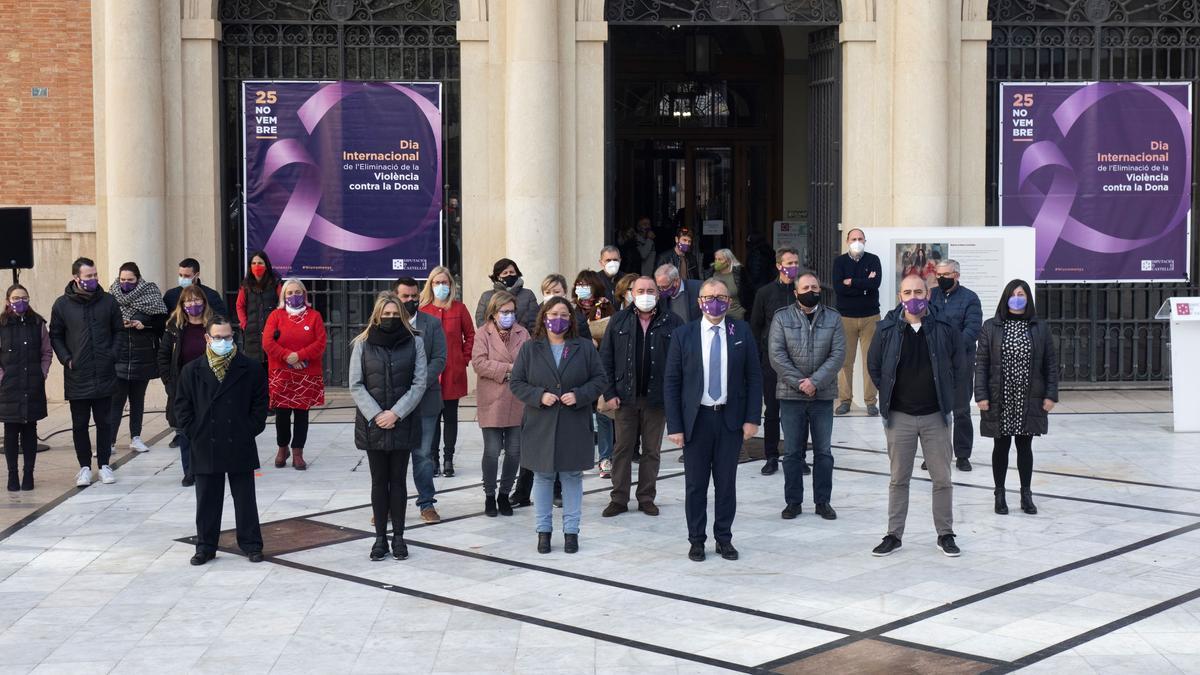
x=387, y=381
x=559, y=377
x=257, y=298
x=25, y=356
x=1016, y=386
x=183, y=341
x=144, y=316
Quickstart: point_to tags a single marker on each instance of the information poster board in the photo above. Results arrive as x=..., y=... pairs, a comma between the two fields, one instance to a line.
x=343, y=180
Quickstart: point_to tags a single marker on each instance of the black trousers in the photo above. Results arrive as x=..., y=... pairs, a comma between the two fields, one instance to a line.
x=20, y=439
x=210, y=500
x=448, y=417
x=284, y=437
x=771, y=414
x=83, y=411
x=389, y=488
x=135, y=392
x=964, y=428
x=1000, y=449
x=712, y=452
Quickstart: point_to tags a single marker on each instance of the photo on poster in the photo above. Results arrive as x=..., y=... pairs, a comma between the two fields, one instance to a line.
x=920, y=259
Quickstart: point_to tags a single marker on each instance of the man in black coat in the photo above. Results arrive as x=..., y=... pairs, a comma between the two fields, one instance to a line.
x=84, y=323
x=856, y=278
x=189, y=275
x=769, y=299
x=634, y=354
x=682, y=256
x=221, y=403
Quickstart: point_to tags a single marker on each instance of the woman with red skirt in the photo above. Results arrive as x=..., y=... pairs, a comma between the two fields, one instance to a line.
x=294, y=340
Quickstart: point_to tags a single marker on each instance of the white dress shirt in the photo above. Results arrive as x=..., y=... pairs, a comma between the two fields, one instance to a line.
x=706, y=338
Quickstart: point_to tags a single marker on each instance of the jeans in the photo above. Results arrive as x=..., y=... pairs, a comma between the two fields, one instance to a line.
x=604, y=436
x=800, y=418
x=449, y=418
x=422, y=464
x=283, y=428
x=83, y=410
x=495, y=441
x=543, y=500
x=135, y=392
x=903, y=432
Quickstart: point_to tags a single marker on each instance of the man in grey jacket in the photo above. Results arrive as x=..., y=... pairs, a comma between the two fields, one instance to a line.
x=429, y=329
x=807, y=347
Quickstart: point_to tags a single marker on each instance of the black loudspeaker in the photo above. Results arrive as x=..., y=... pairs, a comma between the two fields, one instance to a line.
x=16, y=238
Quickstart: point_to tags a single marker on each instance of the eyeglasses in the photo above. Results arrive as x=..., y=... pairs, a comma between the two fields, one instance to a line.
x=708, y=298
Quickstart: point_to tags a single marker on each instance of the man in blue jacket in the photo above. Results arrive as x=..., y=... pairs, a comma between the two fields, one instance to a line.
x=958, y=306
x=916, y=360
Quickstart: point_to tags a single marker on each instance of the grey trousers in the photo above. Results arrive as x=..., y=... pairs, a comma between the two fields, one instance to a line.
x=495, y=440
x=903, y=432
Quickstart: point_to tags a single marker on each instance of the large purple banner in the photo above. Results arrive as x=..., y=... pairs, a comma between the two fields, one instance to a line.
x=1103, y=172
x=343, y=180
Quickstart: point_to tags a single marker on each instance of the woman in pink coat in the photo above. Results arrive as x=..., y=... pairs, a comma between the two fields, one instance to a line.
x=497, y=343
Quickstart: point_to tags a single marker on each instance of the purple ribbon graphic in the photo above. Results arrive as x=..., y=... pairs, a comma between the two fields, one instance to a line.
x=1051, y=210
x=300, y=219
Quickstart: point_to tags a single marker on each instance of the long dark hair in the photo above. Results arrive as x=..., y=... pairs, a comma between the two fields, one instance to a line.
x=539, y=331
x=7, y=312
x=269, y=280
x=1030, y=309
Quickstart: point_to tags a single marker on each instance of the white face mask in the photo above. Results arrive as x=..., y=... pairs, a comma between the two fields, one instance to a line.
x=628, y=297
x=583, y=292
x=646, y=301
x=548, y=296
x=221, y=347
x=857, y=247
x=612, y=267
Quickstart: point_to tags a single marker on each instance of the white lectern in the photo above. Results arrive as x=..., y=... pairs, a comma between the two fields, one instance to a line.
x=1184, y=314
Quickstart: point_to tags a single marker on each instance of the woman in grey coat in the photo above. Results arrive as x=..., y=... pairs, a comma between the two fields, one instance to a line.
x=558, y=376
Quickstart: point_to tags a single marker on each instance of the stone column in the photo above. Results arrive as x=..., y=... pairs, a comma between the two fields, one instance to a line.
x=591, y=32
x=199, y=147
x=972, y=112
x=133, y=131
x=920, y=137
x=531, y=154
x=860, y=130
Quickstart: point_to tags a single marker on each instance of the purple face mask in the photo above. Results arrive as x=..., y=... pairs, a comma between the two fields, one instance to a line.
x=19, y=306
x=670, y=292
x=715, y=307
x=916, y=306
x=89, y=285
x=194, y=310
x=128, y=286
x=294, y=301
x=791, y=273
x=684, y=248
x=557, y=325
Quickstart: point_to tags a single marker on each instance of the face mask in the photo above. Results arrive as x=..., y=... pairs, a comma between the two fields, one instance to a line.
x=221, y=347
x=583, y=292
x=441, y=291
x=558, y=325
x=945, y=283
x=670, y=292
x=645, y=302
x=389, y=324
x=19, y=306
x=258, y=270
x=411, y=307
x=628, y=298
x=809, y=299
x=612, y=267
x=790, y=272
x=89, y=285
x=715, y=307
x=506, y=320
x=294, y=301
x=510, y=281
x=128, y=286
x=684, y=248
x=916, y=306
x=720, y=265
x=1017, y=303
x=857, y=247
x=194, y=310
x=184, y=282
x=549, y=296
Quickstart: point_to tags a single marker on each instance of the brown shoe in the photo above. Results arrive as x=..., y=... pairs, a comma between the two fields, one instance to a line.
x=430, y=516
x=281, y=457
x=613, y=509
x=298, y=462
x=649, y=508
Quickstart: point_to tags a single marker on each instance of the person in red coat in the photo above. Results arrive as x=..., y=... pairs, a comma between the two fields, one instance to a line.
x=294, y=340
x=438, y=299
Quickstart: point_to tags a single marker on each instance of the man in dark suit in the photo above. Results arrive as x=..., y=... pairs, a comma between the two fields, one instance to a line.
x=429, y=328
x=221, y=403
x=713, y=395
x=680, y=294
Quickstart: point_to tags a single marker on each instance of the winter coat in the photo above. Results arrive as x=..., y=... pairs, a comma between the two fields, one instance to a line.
x=558, y=437
x=670, y=257
x=83, y=331
x=769, y=299
x=801, y=349
x=527, y=304
x=169, y=361
x=989, y=376
x=945, y=355
x=222, y=418
x=253, y=308
x=25, y=357
x=460, y=338
x=137, y=350
x=618, y=353
x=492, y=360
x=742, y=291
x=433, y=339
x=306, y=339
x=960, y=309
x=387, y=377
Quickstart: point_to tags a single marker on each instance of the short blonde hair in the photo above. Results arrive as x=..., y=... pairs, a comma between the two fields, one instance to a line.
x=291, y=281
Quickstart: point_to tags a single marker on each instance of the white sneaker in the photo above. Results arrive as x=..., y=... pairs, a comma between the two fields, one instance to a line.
x=106, y=475
x=138, y=445
x=84, y=477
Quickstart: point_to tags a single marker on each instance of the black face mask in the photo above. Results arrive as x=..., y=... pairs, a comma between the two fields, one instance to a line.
x=510, y=281
x=390, y=324
x=411, y=307
x=809, y=299
x=945, y=283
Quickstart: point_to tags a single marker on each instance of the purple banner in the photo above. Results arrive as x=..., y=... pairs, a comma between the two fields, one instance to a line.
x=1103, y=172
x=343, y=180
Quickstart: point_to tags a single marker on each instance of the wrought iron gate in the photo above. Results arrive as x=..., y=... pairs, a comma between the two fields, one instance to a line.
x=825, y=152
x=1105, y=333
x=335, y=40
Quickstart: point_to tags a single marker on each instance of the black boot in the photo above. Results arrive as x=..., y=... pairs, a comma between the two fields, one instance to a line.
x=1027, y=502
x=399, y=548
x=504, y=506
x=1001, y=504
x=570, y=543
x=520, y=495
x=543, y=542
x=27, y=477
x=14, y=483
x=448, y=465
x=380, y=550
x=437, y=463
x=489, y=506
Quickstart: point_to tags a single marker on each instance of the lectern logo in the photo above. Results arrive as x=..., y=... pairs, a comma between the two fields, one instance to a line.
x=1183, y=308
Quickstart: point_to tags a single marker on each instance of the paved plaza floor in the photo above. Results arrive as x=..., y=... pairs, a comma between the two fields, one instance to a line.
x=1105, y=578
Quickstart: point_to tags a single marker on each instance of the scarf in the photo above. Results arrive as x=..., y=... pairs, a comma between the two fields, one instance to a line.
x=388, y=340
x=219, y=364
x=144, y=298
